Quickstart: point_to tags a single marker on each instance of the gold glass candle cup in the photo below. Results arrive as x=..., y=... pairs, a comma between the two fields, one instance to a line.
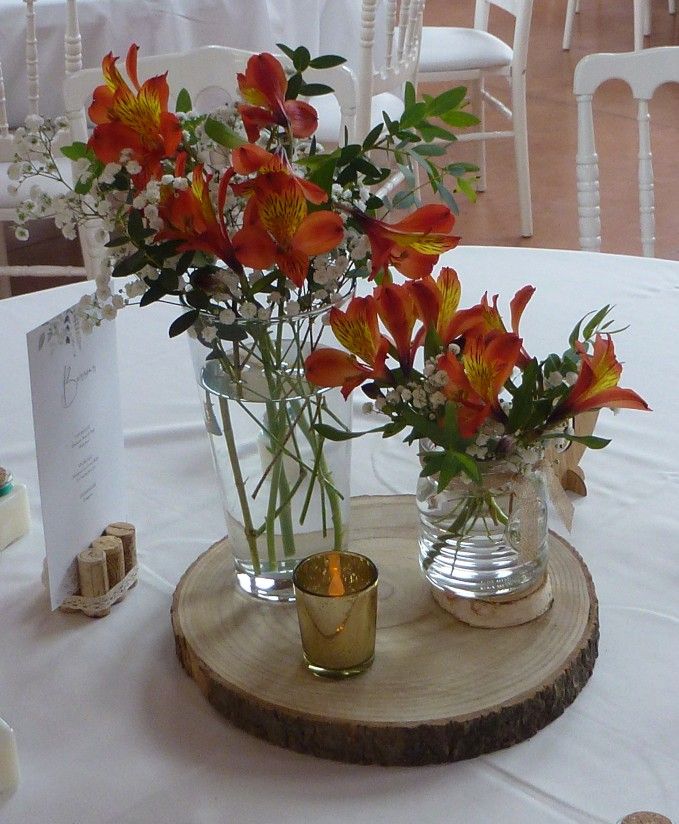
x=336, y=597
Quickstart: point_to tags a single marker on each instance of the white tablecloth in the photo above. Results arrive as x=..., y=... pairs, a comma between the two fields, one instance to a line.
x=111, y=730
x=161, y=26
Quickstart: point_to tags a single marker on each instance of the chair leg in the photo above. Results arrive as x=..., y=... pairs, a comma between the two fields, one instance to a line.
x=520, y=124
x=640, y=7
x=5, y=283
x=571, y=8
x=479, y=109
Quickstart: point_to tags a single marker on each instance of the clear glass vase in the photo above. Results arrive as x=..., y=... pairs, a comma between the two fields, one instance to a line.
x=488, y=539
x=284, y=488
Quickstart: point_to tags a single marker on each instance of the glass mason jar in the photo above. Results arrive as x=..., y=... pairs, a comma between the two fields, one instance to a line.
x=487, y=539
x=284, y=488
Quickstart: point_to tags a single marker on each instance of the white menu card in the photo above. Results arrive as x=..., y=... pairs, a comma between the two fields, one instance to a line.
x=78, y=438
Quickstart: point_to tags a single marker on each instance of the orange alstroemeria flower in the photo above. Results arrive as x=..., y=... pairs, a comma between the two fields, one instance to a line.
x=597, y=383
x=475, y=380
x=412, y=245
x=437, y=302
x=277, y=228
x=357, y=330
x=137, y=121
x=488, y=362
x=471, y=410
x=190, y=217
x=485, y=318
x=264, y=86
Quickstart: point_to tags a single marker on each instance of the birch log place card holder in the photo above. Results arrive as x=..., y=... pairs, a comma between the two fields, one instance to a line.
x=79, y=447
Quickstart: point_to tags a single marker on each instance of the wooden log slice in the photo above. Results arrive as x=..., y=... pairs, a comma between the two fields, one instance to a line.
x=438, y=690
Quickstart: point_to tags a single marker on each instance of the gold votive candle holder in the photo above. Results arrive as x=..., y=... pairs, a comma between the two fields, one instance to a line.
x=336, y=597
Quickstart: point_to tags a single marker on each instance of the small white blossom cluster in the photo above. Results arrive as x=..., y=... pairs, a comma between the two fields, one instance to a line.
x=425, y=396
x=556, y=378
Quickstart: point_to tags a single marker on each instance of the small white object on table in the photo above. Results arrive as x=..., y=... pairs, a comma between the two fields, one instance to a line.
x=9, y=759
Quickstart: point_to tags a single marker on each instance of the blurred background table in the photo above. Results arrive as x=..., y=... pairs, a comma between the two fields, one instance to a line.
x=111, y=729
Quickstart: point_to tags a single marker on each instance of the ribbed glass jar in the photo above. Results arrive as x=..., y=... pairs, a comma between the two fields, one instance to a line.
x=488, y=539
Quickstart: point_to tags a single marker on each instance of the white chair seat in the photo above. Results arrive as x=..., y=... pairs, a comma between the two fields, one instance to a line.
x=465, y=56
x=329, y=114
x=449, y=48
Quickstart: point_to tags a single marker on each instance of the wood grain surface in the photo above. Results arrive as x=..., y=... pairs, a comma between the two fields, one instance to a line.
x=438, y=691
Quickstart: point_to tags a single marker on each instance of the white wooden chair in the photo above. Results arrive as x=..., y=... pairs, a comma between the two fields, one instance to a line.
x=9, y=203
x=470, y=55
x=644, y=71
x=384, y=66
x=642, y=21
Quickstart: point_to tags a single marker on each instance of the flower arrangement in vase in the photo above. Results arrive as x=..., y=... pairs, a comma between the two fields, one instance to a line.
x=246, y=223
x=488, y=417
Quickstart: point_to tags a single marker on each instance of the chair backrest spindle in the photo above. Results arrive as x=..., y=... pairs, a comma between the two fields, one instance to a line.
x=643, y=71
x=32, y=59
x=72, y=41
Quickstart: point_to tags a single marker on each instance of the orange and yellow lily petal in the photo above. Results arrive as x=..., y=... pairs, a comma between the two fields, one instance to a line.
x=412, y=245
x=357, y=328
x=488, y=361
x=437, y=302
x=518, y=304
x=264, y=86
x=597, y=384
x=397, y=308
x=332, y=367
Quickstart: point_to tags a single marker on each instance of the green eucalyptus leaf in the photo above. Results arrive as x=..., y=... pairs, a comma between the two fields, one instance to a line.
x=286, y=50
x=231, y=332
x=431, y=132
x=301, y=58
x=467, y=189
x=168, y=280
x=429, y=150
x=295, y=84
x=183, y=101
x=183, y=322
x=151, y=295
x=372, y=137
x=130, y=265
x=413, y=115
x=315, y=89
x=447, y=197
x=221, y=134
x=409, y=96
x=135, y=227
x=460, y=119
x=593, y=324
x=76, y=151
x=327, y=61
x=330, y=433
x=590, y=441
x=446, y=101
